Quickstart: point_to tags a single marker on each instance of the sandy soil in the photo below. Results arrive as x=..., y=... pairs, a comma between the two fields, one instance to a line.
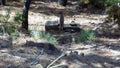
x=26, y=52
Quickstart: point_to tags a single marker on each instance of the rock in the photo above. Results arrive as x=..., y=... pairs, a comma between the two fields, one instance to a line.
x=6, y=41
x=51, y=25
x=75, y=53
x=72, y=28
x=5, y=50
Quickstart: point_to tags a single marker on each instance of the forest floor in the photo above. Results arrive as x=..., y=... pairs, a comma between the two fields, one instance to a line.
x=26, y=52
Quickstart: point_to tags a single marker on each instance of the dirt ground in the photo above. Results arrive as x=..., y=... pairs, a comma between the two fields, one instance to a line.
x=27, y=52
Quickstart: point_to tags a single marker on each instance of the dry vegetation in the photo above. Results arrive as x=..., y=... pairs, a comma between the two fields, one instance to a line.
x=27, y=51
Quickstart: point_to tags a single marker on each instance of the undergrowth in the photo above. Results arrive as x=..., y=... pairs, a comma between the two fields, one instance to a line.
x=11, y=26
x=113, y=10
x=44, y=35
x=85, y=35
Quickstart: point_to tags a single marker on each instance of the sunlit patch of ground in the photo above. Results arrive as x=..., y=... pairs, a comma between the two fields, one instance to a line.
x=104, y=53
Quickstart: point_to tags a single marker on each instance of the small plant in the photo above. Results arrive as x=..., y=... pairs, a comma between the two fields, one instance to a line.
x=92, y=36
x=44, y=35
x=109, y=3
x=15, y=35
x=10, y=27
x=86, y=35
x=113, y=10
x=4, y=19
x=18, y=17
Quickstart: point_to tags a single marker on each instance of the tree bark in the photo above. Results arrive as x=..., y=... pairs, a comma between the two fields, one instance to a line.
x=2, y=2
x=61, y=22
x=25, y=14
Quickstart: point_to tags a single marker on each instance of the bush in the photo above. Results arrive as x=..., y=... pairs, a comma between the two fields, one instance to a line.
x=11, y=26
x=18, y=18
x=86, y=35
x=43, y=35
x=113, y=10
x=109, y=3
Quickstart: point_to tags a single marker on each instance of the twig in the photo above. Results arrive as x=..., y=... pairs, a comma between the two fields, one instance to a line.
x=50, y=65
x=37, y=57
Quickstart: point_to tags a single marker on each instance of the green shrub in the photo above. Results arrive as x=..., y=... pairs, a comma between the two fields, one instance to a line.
x=18, y=18
x=91, y=36
x=109, y=3
x=15, y=35
x=4, y=19
x=10, y=27
x=45, y=36
x=86, y=35
x=113, y=10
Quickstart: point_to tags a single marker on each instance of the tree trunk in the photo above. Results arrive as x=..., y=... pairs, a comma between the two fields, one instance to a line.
x=61, y=22
x=62, y=2
x=2, y=2
x=25, y=14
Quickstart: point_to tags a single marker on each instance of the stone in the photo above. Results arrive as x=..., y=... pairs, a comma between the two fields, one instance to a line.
x=6, y=41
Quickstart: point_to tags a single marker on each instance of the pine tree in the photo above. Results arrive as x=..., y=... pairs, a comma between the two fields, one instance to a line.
x=25, y=14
